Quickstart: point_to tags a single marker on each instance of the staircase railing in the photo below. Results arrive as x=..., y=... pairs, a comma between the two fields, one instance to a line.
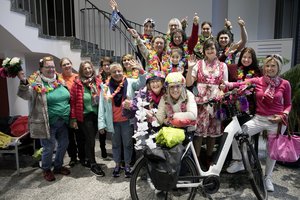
x=81, y=22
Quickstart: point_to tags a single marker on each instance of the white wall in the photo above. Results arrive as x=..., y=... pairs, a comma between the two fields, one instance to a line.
x=161, y=10
x=259, y=15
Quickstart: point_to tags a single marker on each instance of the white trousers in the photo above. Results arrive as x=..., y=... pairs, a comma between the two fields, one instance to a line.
x=256, y=125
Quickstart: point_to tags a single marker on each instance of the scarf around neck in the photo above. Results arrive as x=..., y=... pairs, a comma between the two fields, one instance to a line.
x=118, y=97
x=48, y=80
x=90, y=83
x=272, y=84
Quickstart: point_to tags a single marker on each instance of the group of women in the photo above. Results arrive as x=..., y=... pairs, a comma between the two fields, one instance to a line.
x=179, y=75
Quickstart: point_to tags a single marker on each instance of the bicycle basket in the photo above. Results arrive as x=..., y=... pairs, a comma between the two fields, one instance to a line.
x=163, y=166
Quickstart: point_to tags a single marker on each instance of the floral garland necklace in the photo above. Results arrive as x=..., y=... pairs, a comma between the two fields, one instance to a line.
x=241, y=76
x=40, y=88
x=179, y=67
x=199, y=46
x=154, y=61
x=169, y=109
x=184, y=47
x=147, y=41
x=110, y=97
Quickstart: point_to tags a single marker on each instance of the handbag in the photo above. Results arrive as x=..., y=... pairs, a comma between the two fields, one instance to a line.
x=284, y=147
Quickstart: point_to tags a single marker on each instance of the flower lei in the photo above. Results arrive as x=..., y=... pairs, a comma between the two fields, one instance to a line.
x=110, y=97
x=40, y=88
x=154, y=61
x=179, y=67
x=169, y=108
x=132, y=74
x=147, y=41
x=241, y=74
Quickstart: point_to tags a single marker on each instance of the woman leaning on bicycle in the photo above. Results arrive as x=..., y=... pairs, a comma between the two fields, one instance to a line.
x=273, y=104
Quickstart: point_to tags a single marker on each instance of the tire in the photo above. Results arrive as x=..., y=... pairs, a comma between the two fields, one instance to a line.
x=142, y=188
x=253, y=168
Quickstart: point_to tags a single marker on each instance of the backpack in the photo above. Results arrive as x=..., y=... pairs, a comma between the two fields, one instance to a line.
x=19, y=126
x=163, y=165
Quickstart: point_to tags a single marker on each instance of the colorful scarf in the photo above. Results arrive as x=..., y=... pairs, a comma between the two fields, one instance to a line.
x=272, y=84
x=90, y=83
x=118, y=97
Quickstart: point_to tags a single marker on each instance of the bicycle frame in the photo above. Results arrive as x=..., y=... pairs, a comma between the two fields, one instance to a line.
x=230, y=131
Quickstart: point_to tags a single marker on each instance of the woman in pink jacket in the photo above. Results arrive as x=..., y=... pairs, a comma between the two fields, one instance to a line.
x=273, y=104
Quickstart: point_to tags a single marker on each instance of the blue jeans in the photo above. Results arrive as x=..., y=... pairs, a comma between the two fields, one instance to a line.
x=122, y=135
x=59, y=134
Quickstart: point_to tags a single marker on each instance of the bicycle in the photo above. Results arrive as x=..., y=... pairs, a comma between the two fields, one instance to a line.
x=194, y=177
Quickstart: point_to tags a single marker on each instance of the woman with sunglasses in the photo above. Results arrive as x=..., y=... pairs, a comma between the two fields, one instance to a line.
x=273, y=104
x=49, y=114
x=177, y=107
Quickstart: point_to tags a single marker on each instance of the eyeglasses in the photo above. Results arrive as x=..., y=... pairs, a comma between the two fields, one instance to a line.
x=49, y=67
x=66, y=64
x=177, y=87
x=275, y=56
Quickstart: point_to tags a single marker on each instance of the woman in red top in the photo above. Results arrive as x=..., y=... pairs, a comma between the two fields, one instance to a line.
x=84, y=109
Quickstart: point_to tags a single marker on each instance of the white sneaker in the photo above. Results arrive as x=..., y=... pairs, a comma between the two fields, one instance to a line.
x=269, y=184
x=235, y=166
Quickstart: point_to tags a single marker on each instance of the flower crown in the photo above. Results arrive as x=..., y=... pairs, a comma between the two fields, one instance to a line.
x=155, y=73
x=10, y=67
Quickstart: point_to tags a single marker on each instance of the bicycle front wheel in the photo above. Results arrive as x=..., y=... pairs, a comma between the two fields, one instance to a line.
x=253, y=167
x=141, y=186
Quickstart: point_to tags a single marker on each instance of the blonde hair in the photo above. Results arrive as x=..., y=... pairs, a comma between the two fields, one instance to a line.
x=174, y=21
x=275, y=57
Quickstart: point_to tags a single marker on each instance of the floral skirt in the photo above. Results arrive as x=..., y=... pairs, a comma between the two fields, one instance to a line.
x=207, y=123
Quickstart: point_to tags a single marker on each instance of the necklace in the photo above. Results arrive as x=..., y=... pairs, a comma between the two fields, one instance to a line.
x=110, y=97
x=154, y=61
x=40, y=88
x=241, y=76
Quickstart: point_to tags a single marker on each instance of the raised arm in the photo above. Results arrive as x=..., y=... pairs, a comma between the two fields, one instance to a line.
x=244, y=35
x=194, y=36
x=190, y=79
x=142, y=47
x=114, y=6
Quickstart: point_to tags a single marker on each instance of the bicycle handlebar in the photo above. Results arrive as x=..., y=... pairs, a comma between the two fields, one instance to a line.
x=236, y=92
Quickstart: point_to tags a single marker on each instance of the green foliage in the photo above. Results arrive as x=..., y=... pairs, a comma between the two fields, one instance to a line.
x=293, y=76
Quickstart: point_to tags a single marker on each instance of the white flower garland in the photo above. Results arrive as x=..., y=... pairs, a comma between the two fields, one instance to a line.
x=142, y=127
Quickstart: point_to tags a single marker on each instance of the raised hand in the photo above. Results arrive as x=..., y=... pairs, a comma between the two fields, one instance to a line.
x=114, y=5
x=133, y=32
x=228, y=24
x=241, y=21
x=196, y=19
x=192, y=61
x=233, y=48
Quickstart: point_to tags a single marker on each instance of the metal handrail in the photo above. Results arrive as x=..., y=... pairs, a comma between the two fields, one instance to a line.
x=89, y=31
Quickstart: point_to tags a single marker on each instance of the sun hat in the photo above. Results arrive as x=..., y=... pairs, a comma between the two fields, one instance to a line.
x=154, y=75
x=175, y=78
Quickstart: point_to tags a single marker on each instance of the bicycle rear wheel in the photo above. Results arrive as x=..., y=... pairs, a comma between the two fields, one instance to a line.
x=141, y=186
x=253, y=167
